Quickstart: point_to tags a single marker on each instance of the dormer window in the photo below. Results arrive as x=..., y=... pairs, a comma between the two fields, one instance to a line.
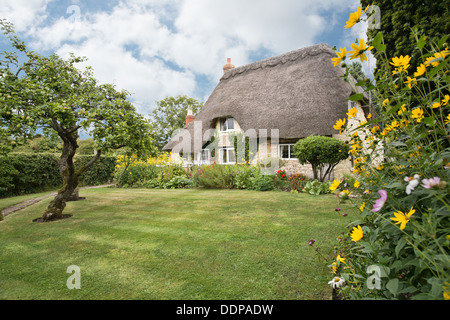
x=227, y=124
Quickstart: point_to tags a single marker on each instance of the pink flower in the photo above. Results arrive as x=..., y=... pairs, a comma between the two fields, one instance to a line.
x=430, y=183
x=380, y=202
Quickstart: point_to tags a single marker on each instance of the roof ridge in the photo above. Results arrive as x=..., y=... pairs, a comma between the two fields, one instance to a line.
x=280, y=59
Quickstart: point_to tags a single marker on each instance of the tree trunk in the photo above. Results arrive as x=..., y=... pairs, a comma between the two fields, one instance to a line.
x=122, y=173
x=68, y=175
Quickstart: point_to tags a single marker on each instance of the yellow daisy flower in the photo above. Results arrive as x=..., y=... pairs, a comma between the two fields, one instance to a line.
x=420, y=70
x=352, y=112
x=354, y=17
x=359, y=50
x=417, y=114
x=340, y=57
x=357, y=234
x=403, y=218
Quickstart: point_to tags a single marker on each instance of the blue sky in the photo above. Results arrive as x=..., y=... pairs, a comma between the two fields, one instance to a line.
x=160, y=48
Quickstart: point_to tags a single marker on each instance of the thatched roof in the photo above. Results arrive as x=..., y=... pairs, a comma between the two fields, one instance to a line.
x=300, y=93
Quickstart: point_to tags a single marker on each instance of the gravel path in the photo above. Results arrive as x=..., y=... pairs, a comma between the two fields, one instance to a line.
x=29, y=202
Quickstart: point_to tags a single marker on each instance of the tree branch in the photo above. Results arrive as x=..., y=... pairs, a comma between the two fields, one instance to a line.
x=89, y=164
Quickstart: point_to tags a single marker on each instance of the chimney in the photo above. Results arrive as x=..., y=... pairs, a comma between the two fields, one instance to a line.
x=190, y=116
x=228, y=66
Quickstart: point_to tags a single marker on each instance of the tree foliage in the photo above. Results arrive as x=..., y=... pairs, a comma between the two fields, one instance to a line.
x=322, y=153
x=170, y=115
x=51, y=94
x=399, y=18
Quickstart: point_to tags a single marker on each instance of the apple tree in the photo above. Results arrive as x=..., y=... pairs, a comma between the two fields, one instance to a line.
x=53, y=96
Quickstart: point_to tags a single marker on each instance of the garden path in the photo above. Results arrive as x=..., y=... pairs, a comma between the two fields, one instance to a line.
x=29, y=202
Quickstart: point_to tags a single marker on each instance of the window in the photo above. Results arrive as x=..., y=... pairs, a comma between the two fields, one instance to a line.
x=286, y=151
x=205, y=156
x=227, y=124
x=227, y=155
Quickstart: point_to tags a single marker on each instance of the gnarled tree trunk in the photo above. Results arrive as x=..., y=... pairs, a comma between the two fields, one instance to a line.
x=68, y=173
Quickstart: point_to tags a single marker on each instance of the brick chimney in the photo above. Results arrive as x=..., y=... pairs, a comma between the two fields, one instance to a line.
x=190, y=116
x=228, y=66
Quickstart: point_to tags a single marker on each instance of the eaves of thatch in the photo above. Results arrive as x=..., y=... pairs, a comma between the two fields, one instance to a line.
x=300, y=93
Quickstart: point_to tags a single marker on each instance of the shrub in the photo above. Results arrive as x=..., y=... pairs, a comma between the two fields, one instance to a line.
x=280, y=180
x=179, y=182
x=215, y=176
x=323, y=153
x=297, y=181
x=24, y=173
x=262, y=182
x=316, y=187
x=243, y=177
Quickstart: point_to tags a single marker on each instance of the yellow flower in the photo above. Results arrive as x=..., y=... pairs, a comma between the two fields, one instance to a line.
x=359, y=50
x=401, y=63
x=417, y=114
x=335, y=185
x=437, y=55
x=410, y=81
x=339, y=259
x=340, y=57
x=420, y=70
x=446, y=293
x=435, y=105
x=403, y=218
x=375, y=129
x=393, y=126
x=385, y=103
x=362, y=207
x=354, y=17
x=357, y=234
x=447, y=121
x=369, y=116
x=355, y=149
x=446, y=100
x=402, y=109
x=352, y=112
x=339, y=125
x=357, y=184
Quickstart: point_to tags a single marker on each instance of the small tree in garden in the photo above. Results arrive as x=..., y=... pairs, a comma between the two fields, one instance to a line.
x=322, y=153
x=52, y=95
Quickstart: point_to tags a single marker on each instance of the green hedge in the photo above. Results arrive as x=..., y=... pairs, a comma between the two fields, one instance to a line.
x=23, y=173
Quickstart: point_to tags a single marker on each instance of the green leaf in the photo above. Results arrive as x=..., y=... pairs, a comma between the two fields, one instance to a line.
x=429, y=120
x=400, y=245
x=377, y=40
x=393, y=286
x=442, y=41
x=421, y=43
x=356, y=97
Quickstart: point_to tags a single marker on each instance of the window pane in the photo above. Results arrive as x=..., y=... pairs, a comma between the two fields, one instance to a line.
x=291, y=151
x=284, y=151
x=205, y=155
x=223, y=125
x=230, y=124
x=231, y=156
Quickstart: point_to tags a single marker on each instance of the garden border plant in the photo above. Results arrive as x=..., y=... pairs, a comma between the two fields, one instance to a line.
x=399, y=249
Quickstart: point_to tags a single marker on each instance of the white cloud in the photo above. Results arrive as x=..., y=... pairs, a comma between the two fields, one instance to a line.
x=158, y=48
x=24, y=13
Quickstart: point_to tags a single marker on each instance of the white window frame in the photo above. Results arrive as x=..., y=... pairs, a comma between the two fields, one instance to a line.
x=225, y=125
x=208, y=160
x=290, y=146
x=227, y=150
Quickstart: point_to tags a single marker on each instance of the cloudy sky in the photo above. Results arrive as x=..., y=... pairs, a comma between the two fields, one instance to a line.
x=160, y=48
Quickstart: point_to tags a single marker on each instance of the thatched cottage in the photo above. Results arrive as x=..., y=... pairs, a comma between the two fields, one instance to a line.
x=280, y=100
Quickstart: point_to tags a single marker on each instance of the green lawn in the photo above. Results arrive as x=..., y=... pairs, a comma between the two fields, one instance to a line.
x=174, y=244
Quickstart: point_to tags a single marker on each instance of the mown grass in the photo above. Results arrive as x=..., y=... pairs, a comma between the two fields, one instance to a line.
x=173, y=245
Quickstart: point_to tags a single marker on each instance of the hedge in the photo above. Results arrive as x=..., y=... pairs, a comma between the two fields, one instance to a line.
x=23, y=173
